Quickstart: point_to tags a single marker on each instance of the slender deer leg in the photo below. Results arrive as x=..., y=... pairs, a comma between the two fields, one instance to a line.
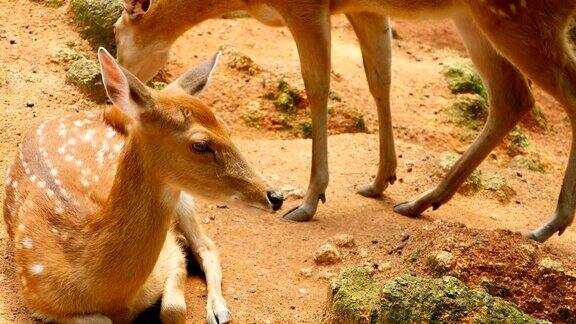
x=207, y=255
x=510, y=99
x=547, y=60
x=375, y=36
x=311, y=31
x=173, y=308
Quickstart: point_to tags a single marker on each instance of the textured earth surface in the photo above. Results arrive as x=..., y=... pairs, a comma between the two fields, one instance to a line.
x=269, y=272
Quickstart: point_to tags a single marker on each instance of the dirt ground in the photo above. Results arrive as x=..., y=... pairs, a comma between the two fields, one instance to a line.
x=263, y=256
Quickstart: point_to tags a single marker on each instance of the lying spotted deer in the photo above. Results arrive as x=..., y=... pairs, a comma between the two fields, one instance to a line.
x=91, y=202
x=508, y=41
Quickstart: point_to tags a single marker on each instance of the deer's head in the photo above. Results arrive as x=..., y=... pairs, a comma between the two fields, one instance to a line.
x=181, y=140
x=147, y=29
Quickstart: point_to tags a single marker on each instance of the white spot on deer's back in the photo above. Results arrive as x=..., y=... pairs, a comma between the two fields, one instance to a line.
x=62, y=150
x=27, y=243
x=15, y=184
x=59, y=209
x=110, y=133
x=89, y=135
x=79, y=163
x=41, y=184
x=72, y=141
x=21, y=227
x=68, y=158
x=54, y=172
x=62, y=132
x=33, y=178
x=118, y=147
x=85, y=183
x=78, y=123
x=36, y=269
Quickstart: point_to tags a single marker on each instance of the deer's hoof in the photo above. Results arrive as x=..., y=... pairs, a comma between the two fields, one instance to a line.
x=369, y=191
x=408, y=208
x=220, y=317
x=298, y=214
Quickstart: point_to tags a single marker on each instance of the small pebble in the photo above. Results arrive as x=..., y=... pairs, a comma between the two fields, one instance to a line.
x=30, y=104
x=12, y=41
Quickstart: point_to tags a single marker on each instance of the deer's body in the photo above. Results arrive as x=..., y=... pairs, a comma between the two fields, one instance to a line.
x=58, y=215
x=94, y=204
x=508, y=41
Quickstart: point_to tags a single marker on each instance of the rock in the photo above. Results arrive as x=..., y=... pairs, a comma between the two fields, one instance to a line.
x=473, y=184
x=550, y=264
x=356, y=298
x=66, y=54
x=86, y=75
x=306, y=272
x=524, y=162
x=30, y=104
x=302, y=291
x=327, y=275
x=327, y=254
x=96, y=19
x=469, y=110
x=239, y=61
x=343, y=240
x=441, y=262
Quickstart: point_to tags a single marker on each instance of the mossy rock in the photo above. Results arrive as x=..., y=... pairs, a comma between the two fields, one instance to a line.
x=472, y=184
x=356, y=298
x=86, y=75
x=463, y=78
x=469, y=110
x=521, y=161
x=97, y=18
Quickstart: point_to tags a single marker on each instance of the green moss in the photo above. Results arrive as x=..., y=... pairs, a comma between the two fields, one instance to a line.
x=355, y=296
x=474, y=182
x=286, y=98
x=409, y=299
x=97, y=18
x=469, y=110
x=359, y=123
x=539, y=117
x=518, y=138
x=306, y=128
x=334, y=96
x=462, y=78
x=414, y=256
x=528, y=163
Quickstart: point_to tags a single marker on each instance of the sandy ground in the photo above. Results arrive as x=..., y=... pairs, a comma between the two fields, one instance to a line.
x=262, y=255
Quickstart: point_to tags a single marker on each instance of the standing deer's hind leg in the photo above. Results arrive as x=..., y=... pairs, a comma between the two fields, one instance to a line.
x=207, y=255
x=543, y=54
x=311, y=32
x=510, y=99
x=375, y=36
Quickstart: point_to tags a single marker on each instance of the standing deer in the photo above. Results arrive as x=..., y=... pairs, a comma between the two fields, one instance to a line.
x=95, y=204
x=508, y=41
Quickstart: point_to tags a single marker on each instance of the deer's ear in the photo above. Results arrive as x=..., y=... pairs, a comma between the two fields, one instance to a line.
x=137, y=8
x=124, y=90
x=197, y=78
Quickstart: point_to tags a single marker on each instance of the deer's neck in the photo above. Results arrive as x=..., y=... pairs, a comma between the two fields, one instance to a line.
x=127, y=236
x=178, y=16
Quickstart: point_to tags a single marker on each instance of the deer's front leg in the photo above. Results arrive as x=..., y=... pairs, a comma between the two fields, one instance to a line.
x=207, y=255
x=311, y=31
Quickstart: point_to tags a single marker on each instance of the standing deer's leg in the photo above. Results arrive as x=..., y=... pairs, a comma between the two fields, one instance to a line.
x=207, y=255
x=311, y=31
x=544, y=55
x=510, y=99
x=375, y=36
x=84, y=319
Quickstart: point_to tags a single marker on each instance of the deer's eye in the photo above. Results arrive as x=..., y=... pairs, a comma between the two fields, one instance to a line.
x=201, y=147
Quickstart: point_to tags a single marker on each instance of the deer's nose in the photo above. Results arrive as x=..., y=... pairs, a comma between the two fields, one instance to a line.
x=276, y=199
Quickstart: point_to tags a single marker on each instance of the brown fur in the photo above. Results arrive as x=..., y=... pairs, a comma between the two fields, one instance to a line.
x=508, y=41
x=94, y=203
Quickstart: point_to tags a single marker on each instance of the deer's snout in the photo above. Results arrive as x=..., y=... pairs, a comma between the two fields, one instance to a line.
x=276, y=199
